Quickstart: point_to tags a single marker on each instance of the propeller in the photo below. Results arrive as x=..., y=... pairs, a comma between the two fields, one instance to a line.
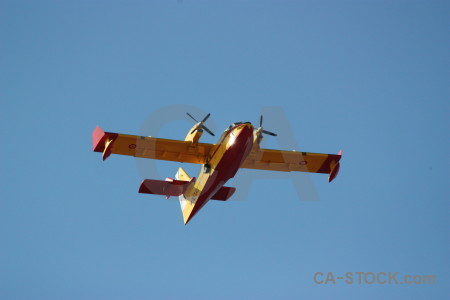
x=264, y=131
x=200, y=124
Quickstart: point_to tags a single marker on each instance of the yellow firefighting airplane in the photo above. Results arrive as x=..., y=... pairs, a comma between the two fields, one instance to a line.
x=238, y=147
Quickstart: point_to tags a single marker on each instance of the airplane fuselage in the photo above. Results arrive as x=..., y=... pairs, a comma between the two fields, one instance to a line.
x=224, y=162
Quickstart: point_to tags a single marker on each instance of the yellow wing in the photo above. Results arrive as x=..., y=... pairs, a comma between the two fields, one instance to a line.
x=288, y=161
x=149, y=147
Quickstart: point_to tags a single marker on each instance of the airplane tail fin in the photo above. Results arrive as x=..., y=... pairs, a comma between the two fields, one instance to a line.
x=170, y=187
x=223, y=194
x=179, y=187
x=182, y=175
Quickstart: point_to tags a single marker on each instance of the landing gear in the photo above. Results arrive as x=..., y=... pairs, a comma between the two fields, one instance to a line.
x=206, y=168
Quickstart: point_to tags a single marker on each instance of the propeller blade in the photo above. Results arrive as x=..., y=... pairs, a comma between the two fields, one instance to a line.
x=200, y=125
x=269, y=133
x=260, y=121
x=206, y=118
x=192, y=117
x=208, y=131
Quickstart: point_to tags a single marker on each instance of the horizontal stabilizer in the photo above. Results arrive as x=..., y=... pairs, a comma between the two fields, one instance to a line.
x=167, y=188
x=224, y=193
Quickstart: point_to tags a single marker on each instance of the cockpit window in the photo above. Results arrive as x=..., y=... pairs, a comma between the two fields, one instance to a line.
x=236, y=124
x=239, y=123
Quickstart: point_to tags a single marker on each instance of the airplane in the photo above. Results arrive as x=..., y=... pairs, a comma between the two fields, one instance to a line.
x=238, y=147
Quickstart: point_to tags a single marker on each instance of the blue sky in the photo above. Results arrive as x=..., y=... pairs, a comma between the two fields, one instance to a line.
x=368, y=77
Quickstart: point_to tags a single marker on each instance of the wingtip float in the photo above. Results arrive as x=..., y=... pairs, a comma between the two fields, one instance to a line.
x=238, y=147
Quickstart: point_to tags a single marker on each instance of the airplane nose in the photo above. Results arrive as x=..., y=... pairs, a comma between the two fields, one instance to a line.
x=247, y=127
x=241, y=135
x=245, y=131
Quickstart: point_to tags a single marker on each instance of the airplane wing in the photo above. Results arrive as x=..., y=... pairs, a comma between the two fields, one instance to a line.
x=149, y=147
x=288, y=161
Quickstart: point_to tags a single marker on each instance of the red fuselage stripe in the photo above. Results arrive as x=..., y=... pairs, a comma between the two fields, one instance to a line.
x=228, y=165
